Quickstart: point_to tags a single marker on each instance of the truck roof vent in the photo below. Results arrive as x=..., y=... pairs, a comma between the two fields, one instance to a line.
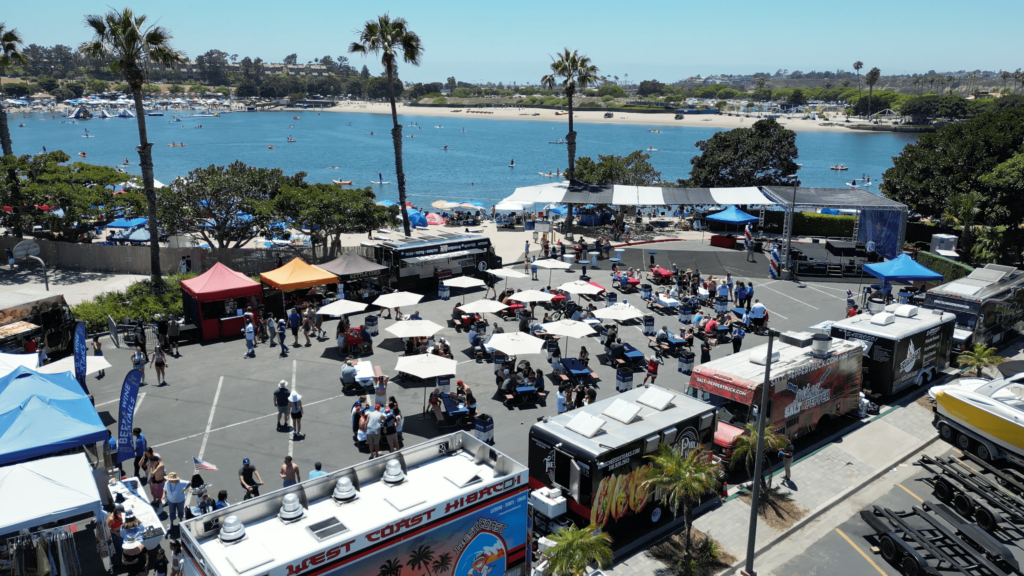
x=906, y=311
x=622, y=411
x=344, y=491
x=393, y=473
x=291, y=508
x=883, y=319
x=231, y=530
x=759, y=356
x=585, y=425
x=656, y=398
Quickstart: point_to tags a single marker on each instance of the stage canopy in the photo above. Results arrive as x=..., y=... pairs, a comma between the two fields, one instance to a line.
x=44, y=413
x=48, y=490
x=352, y=266
x=220, y=283
x=616, y=194
x=733, y=215
x=297, y=274
x=903, y=268
x=838, y=198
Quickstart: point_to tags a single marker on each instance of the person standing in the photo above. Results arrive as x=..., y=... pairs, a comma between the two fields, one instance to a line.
x=97, y=350
x=140, y=449
x=289, y=472
x=307, y=325
x=182, y=266
x=139, y=363
x=356, y=414
x=380, y=391
x=175, y=489
x=161, y=330
x=296, y=405
x=391, y=429
x=317, y=472
x=250, y=339
x=737, y=336
x=374, y=422
x=787, y=461
x=114, y=521
x=155, y=468
x=491, y=285
x=188, y=264
x=281, y=336
x=173, y=334
x=293, y=321
x=729, y=281
x=159, y=362
x=757, y=313
x=281, y=403
x=10, y=259
x=652, y=368
x=705, y=350
x=177, y=559
x=250, y=479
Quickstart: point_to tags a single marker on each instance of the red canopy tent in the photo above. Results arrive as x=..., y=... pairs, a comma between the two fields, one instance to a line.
x=212, y=300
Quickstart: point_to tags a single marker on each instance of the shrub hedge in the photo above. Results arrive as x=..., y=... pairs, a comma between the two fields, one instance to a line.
x=950, y=269
x=139, y=300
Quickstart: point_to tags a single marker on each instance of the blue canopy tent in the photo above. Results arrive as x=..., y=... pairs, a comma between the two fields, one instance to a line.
x=733, y=215
x=126, y=222
x=903, y=268
x=139, y=233
x=416, y=218
x=44, y=413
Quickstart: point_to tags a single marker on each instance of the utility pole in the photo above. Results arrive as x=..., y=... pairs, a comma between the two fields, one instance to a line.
x=762, y=418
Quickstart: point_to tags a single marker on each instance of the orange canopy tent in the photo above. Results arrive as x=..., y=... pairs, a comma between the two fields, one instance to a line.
x=297, y=274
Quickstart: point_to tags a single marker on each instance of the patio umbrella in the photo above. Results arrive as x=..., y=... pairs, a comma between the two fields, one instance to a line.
x=483, y=307
x=532, y=296
x=551, y=264
x=342, y=307
x=619, y=312
x=93, y=364
x=507, y=273
x=569, y=329
x=516, y=343
x=426, y=366
x=581, y=287
x=444, y=204
x=414, y=328
x=398, y=299
x=464, y=282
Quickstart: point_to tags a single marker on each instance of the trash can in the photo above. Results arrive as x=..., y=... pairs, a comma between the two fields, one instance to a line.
x=685, y=314
x=444, y=383
x=623, y=380
x=536, y=235
x=645, y=291
x=371, y=324
x=721, y=305
x=444, y=292
x=530, y=225
x=686, y=362
x=483, y=428
x=610, y=298
x=498, y=358
x=551, y=346
x=593, y=260
x=649, y=325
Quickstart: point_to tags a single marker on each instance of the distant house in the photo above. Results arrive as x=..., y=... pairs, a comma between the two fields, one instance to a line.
x=41, y=97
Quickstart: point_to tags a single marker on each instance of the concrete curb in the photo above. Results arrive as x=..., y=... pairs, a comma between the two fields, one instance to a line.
x=833, y=501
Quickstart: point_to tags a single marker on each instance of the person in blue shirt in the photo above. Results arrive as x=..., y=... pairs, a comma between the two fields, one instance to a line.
x=750, y=295
x=697, y=318
x=140, y=448
x=317, y=472
x=367, y=344
x=222, y=500
x=472, y=336
x=741, y=293
x=737, y=336
x=294, y=319
x=416, y=316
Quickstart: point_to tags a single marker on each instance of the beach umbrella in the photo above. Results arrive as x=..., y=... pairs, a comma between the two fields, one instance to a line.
x=516, y=343
x=532, y=296
x=414, y=328
x=620, y=312
x=506, y=273
x=552, y=264
x=398, y=299
x=426, y=365
x=341, y=307
x=569, y=329
x=464, y=282
x=581, y=287
x=435, y=219
x=483, y=307
x=444, y=204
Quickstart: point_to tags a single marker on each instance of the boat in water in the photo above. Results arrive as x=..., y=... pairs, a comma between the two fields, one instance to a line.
x=839, y=167
x=342, y=182
x=559, y=141
x=154, y=113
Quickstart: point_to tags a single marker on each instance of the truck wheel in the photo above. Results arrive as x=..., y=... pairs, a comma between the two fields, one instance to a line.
x=983, y=516
x=963, y=505
x=911, y=567
x=963, y=442
x=943, y=491
x=929, y=376
x=982, y=451
x=946, y=432
x=888, y=548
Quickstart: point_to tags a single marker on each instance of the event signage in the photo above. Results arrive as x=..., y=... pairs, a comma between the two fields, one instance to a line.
x=80, y=367
x=444, y=248
x=126, y=415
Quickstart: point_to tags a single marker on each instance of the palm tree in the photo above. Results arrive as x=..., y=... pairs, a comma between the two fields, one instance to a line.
x=10, y=56
x=989, y=247
x=1005, y=75
x=683, y=479
x=857, y=66
x=387, y=38
x=421, y=557
x=949, y=82
x=124, y=40
x=392, y=567
x=745, y=449
x=979, y=357
x=870, y=79
x=576, y=548
x=962, y=210
x=442, y=564
x=761, y=82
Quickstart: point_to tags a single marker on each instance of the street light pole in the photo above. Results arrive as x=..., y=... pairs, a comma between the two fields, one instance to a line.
x=762, y=418
x=791, y=216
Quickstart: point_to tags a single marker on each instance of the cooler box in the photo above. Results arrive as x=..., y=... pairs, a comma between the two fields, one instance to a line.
x=371, y=324
x=685, y=314
x=498, y=358
x=483, y=428
x=649, y=326
x=623, y=380
x=686, y=362
x=645, y=291
x=721, y=305
x=444, y=292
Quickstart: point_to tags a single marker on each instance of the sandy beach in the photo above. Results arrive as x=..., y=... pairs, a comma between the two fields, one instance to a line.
x=546, y=115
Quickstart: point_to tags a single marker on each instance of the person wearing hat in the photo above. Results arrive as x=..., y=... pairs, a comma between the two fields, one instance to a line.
x=281, y=403
x=296, y=402
x=250, y=479
x=175, y=490
x=134, y=559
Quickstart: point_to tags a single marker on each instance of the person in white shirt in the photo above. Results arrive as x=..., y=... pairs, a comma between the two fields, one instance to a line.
x=662, y=334
x=757, y=315
x=374, y=422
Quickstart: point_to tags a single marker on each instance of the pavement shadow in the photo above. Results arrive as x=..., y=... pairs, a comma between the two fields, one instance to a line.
x=26, y=275
x=392, y=345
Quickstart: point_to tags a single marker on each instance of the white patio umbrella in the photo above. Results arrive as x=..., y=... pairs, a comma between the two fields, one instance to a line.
x=342, y=307
x=532, y=296
x=464, y=282
x=414, y=328
x=620, y=311
x=426, y=366
x=483, y=307
x=569, y=329
x=398, y=299
x=507, y=273
x=581, y=287
x=516, y=343
x=93, y=364
x=552, y=264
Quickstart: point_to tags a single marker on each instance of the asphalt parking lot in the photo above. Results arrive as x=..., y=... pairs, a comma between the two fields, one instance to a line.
x=218, y=405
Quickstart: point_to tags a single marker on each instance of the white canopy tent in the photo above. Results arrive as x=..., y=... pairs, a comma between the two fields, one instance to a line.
x=48, y=490
x=8, y=362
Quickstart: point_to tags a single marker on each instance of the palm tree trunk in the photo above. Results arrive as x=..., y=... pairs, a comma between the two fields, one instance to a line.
x=5, y=132
x=871, y=89
x=145, y=150
x=570, y=145
x=14, y=220
x=396, y=138
x=688, y=521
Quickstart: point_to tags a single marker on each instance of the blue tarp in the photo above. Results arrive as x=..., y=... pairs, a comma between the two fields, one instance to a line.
x=417, y=219
x=126, y=222
x=733, y=215
x=44, y=413
x=903, y=268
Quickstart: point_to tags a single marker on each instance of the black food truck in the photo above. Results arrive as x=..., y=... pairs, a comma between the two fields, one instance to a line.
x=597, y=456
x=419, y=263
x=31, y=314
x=903, y=345
x=988, y=304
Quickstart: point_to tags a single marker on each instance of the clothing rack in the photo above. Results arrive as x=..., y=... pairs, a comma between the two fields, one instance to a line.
x=49, y=552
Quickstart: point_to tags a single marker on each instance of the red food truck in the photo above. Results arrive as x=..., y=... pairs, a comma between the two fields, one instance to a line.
x=812, y=381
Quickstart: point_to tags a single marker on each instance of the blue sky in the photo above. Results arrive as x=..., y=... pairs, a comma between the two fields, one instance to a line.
x=513, y=41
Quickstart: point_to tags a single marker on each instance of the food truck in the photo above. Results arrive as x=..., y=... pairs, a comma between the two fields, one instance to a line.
x=903, y=345
x=812, y=380
x=454, y=503
x=30, y=314
x=988, y=304
x=597, y=457
x=420, y=263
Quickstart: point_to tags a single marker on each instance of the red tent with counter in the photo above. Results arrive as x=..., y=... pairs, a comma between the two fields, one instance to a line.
x=212, y=301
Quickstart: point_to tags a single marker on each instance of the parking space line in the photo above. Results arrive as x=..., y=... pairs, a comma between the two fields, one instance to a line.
x=107, y=402
x=861, y=552
x=138, y=402
x=787, y=296
x=907, y=490
x=776, y=314
x=291, y=437
x=209, y=421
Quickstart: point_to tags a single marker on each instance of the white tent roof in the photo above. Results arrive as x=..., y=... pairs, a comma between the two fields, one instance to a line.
x=8, y=362
x=57, y=488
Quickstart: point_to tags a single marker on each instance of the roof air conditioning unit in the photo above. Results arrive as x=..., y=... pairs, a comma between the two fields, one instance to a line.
x=231, y=530
x=820, y=344
x=883, y=319
x=344, y=491
x=393, y=473
x=291, y=508
x=760, y=356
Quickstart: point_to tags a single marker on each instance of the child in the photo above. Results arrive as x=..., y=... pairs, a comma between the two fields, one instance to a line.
x=177, y=559
x=161, y=562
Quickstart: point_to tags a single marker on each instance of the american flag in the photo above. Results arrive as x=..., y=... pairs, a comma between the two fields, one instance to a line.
x=200, y=465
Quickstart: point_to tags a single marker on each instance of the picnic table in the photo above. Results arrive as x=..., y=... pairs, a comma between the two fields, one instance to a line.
x=632, y=354
x=364, y=373
x=667, y=301
x=454, y=409
x=575, y=369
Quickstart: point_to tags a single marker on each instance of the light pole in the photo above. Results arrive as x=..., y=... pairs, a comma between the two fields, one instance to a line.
x=762, y=418
x=789, y=228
